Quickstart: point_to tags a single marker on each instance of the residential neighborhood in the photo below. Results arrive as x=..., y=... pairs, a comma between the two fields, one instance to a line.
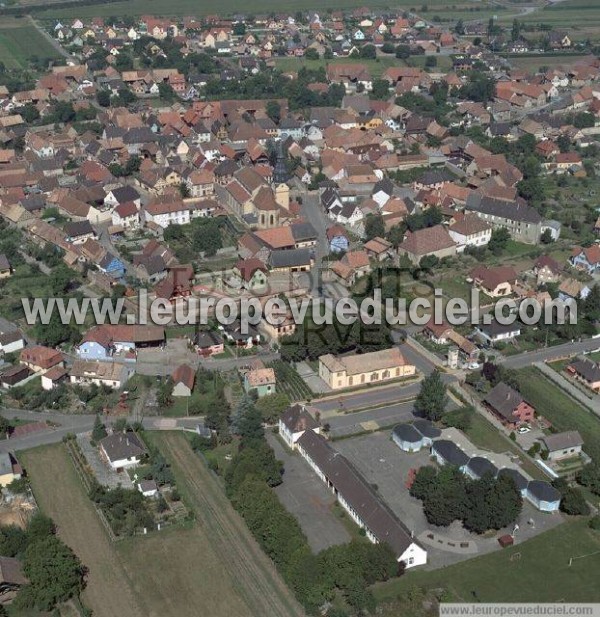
x=191, y=204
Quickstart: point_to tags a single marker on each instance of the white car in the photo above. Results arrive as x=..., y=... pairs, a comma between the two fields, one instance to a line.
x=523, y=429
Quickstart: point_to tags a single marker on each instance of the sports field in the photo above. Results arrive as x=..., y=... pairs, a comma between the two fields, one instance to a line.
x=214, y=564
x=536, y=571
x=19, y=43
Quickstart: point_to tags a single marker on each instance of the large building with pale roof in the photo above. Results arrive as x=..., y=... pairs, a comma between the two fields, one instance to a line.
x=361, y=369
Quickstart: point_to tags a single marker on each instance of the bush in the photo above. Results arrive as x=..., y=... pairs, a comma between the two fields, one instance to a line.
x=595, y=522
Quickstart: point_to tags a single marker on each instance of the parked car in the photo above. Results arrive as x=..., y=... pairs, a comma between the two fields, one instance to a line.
x=523, y=429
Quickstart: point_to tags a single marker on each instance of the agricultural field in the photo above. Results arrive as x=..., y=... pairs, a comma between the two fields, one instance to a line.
x=18, y=43
x=229, y=7
x=534, y=62
x=581, y=17
x=214, y=563
x=536, y=571
x=289, y=381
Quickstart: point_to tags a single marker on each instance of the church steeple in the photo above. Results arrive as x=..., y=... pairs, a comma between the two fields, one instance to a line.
x=280, y=173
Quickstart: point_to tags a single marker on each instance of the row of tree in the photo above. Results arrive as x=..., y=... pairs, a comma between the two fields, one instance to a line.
x=315, y=579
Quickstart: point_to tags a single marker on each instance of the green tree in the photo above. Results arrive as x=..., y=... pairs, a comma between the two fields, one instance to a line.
x=516, y=30
x=432, y=399
x=272, y=406
x=403, y=52
x=30, y=113
x=103, y=98
x=4, y=426
x=589, y=476
x=55, y=574
x=499, y=240
x=381, y=89
x=311, y=54
x=368, y=52
x=374, y=226
x=99, y=430
x=273, y=109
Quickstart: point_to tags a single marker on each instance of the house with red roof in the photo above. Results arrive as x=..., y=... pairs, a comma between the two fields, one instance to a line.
x=587, y=259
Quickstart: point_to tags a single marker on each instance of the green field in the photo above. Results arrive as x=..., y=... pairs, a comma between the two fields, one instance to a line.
x=540, y=574
x=230, y=7
x=214, y=563
x=375, y=67
x=19, y=44
x=581, y=17
x=560, y=409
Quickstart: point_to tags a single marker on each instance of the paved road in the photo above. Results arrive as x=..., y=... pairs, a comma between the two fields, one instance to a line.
x=63, y=424
x=548, y=353
x=347, y=424
x=313, y=212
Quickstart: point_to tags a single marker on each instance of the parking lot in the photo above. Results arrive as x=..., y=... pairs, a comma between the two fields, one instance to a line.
x=308, y=499
x=386, y=467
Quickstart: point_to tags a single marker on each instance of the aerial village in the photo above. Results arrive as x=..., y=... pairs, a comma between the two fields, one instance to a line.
x=307, y=156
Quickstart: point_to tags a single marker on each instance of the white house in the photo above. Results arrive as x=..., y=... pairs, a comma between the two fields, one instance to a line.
x=293, y=422
x=563, y=445
x=11, y=341
x=167, y=213
x=470, y=231
x=122, y=450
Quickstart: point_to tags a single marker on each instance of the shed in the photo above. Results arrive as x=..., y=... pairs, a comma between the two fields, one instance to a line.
x=407, y=438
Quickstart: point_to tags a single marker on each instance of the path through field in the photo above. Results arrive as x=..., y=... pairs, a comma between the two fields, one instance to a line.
x=260, y=585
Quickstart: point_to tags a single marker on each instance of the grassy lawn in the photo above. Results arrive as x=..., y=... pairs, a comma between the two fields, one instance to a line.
x=541, y=574
x=19, y=44
x=533, y=63
x=485, y=435
x=560, y=409
x=181, y=331
x=376, y=67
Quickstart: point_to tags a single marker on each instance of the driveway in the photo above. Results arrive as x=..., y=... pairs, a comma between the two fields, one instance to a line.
x=308, y=499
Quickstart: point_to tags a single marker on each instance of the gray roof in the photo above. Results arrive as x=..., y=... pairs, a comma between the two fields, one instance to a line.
x=480, y=466
x=119, y=446
x=504, y=400
x=518, y=479
x=408, y=433
x=588, y=369
x=543, y=491
x=297, y=419
x=511, y=210
x=4, y=263
x=561, y=441
x=78, y=228
x=303, y=232
x=357, y=492
x=125, y=193
x=290, y=258
x=450, y=452
x=426, y=428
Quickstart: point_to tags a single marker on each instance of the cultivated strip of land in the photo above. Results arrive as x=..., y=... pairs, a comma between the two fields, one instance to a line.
x=259, y=583
x=60, y=494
